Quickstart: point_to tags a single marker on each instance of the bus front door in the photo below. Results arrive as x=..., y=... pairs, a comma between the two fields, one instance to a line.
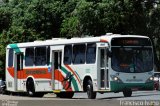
x=56, y=66
x=18, y=63
x=103, y=73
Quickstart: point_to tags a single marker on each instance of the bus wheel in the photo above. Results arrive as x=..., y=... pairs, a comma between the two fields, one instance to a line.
x=65, y=94
x=127, y=93
x=30, y=88
x=91, y=94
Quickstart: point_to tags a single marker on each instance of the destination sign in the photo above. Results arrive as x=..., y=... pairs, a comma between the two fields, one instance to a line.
x=131, y=41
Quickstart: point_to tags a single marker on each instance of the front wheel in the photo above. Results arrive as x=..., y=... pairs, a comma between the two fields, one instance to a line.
x=91, y=94
x=127, y=93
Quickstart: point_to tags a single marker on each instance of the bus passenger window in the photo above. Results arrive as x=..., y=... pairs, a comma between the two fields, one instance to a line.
x=10, y=58
x=67, y=54
x=29, y=57
x=79, y=54
x=40, y=56
x=91, y=53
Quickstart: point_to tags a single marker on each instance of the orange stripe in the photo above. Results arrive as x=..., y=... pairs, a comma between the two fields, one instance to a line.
x=74, y=74
x=103, y=40
x=22, y=74
x=58, y=76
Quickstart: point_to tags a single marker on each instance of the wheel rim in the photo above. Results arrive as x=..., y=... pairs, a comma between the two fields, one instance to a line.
x=30, y=92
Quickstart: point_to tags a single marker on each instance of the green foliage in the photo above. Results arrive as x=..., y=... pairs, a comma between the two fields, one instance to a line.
x=71, y=27
x=29, y=20
x=5, y=18
x=89, y=16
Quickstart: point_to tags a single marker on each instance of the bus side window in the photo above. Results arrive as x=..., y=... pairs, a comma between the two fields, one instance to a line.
x=29, y=57
x=67, y=54
x=79, y=54
x=40, y=56
x=10, y=58
x=91, y=53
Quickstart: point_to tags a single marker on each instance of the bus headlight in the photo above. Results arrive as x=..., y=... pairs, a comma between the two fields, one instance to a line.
x=116, y=79
x=150, y=79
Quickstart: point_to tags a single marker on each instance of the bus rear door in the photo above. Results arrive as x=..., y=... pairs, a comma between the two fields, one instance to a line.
x=18, y=63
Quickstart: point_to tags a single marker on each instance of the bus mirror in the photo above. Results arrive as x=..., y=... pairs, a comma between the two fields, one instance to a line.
x=109, y=53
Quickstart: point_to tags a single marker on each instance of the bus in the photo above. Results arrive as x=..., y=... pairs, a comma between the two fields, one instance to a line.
x=108, y=63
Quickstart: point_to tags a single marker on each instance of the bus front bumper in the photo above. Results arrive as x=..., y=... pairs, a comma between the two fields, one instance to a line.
x=117, y=87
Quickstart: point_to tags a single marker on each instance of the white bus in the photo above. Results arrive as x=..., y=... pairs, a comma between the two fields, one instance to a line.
x=109, y=63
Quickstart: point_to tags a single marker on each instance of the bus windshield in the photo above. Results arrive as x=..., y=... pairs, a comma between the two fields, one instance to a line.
x=132, y=59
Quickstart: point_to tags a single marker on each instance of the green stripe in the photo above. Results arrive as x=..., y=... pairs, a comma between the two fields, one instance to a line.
x=15, y=48
x=64, y=70
x=78, y=75
x=74, y=82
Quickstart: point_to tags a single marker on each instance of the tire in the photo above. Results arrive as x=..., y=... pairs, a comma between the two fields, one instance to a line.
x=91, y=94
x=65, y=94
x=30, y=88
x=127, y=93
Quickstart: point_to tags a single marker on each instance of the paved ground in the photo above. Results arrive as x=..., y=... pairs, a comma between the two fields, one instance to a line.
x=139, y=98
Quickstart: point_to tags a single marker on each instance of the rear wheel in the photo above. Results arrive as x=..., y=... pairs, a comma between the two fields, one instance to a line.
x=30, y=88
x=127, y=93
x=91, y=94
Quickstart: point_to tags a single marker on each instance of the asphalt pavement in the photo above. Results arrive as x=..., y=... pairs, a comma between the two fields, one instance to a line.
x=139, y=98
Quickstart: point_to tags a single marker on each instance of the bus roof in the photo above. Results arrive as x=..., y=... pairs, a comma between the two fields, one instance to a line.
x=61, y=41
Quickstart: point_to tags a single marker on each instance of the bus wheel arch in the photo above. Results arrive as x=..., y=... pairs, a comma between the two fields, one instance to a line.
x=88, y=87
